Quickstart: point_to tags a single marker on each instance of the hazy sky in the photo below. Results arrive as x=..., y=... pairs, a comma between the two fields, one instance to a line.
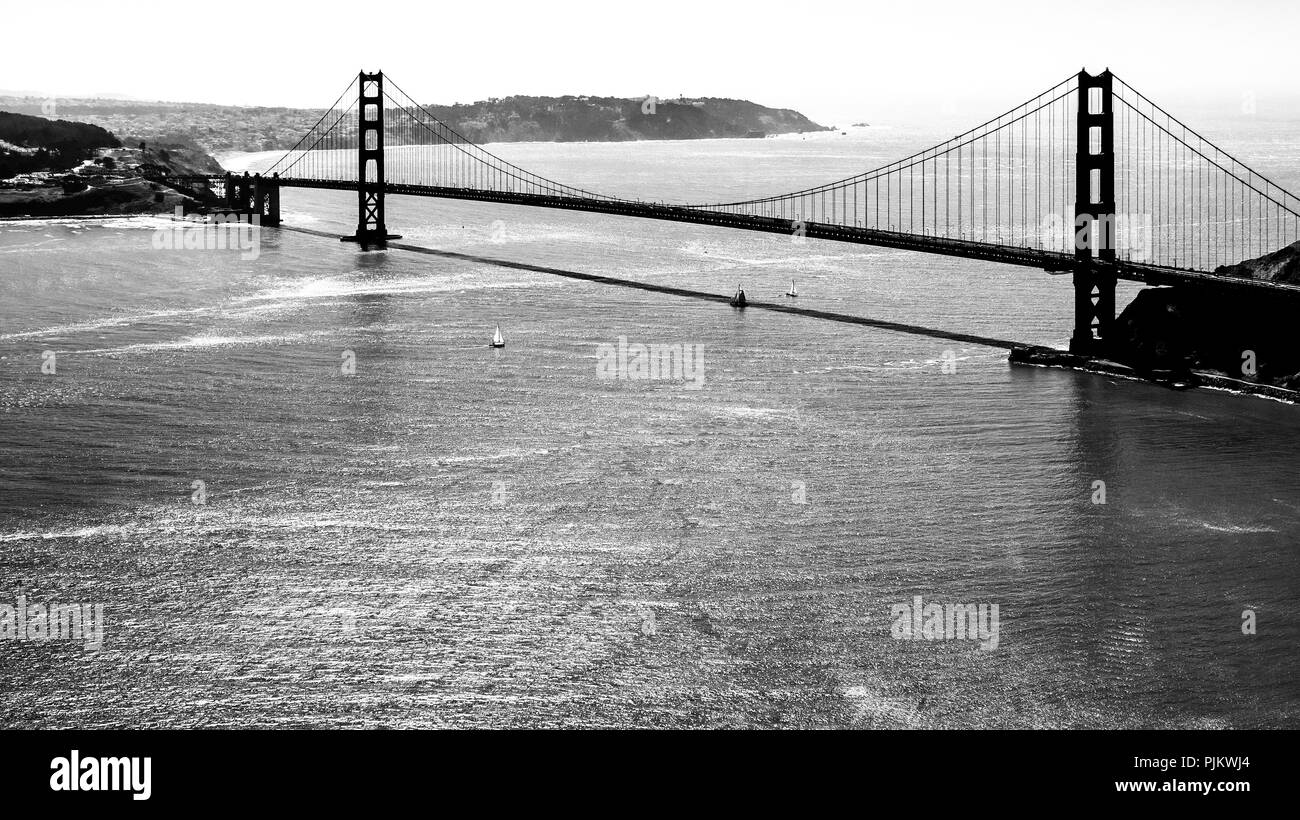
x=835, y=61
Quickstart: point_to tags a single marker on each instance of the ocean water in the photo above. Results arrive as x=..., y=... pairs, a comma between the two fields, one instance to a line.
x=456, y=536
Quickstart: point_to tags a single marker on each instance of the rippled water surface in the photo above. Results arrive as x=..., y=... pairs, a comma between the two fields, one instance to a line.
x=461, y=536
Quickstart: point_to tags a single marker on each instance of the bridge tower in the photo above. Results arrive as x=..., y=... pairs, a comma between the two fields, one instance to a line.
x=1094, y=215
x=371, y=230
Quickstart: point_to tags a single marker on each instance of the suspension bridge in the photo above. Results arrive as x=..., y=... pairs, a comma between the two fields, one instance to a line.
x=1089, y=178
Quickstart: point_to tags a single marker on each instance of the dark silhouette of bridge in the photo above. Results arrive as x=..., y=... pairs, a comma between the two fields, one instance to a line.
x=1089, y=177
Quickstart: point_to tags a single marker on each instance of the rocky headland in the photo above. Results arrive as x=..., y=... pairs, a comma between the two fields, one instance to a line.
x=61, y=168
x=1196, y=336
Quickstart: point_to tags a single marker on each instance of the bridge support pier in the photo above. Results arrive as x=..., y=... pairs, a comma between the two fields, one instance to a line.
x=253, y=196
x=241, y=194
x=371, y=230
x=1094, y=310
x=266, y=196
x=1094, y=215
x=244, y=193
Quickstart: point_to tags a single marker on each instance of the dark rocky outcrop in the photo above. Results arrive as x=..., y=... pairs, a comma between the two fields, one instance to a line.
x=1176, y=330
x=1281, y=266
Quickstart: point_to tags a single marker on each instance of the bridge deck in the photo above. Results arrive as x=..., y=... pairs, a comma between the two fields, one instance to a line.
x=1052, y=261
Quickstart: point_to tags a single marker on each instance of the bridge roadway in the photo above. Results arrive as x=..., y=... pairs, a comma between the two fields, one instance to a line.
x=1051, y=261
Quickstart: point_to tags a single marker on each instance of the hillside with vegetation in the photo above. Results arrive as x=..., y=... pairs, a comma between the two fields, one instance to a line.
x=30, y=143
x=611, y=119
x=57, y=167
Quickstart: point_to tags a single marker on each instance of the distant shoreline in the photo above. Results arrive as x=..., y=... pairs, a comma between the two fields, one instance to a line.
x=222, y=157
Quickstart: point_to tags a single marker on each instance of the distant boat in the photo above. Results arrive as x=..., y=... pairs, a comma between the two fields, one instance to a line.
x=792, y=293
x=497, y=340
x=738, y=301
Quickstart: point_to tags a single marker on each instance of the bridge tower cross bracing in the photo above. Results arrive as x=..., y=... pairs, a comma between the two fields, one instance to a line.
x=371, y=229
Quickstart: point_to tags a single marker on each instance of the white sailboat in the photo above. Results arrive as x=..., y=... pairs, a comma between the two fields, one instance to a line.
x=792, y=293
x=497, y=339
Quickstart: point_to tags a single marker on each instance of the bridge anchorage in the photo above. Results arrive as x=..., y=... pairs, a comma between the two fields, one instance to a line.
x=253, y=196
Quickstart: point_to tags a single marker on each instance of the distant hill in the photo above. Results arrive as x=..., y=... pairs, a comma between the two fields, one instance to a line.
x=29, y=143
x=219, y=128
x=1281, y=265
x=612, y=119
